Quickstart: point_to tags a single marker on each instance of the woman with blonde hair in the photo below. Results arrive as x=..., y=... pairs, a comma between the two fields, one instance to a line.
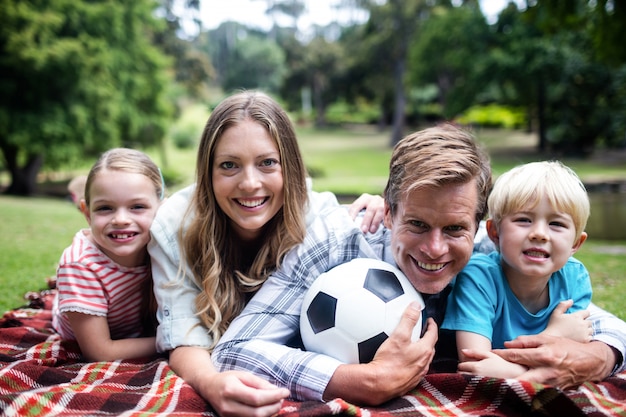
x=215, y=242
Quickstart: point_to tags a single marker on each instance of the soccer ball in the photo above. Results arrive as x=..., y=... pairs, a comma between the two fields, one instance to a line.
x=352, y=309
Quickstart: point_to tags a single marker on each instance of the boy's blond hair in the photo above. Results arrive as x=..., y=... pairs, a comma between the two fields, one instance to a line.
x=523, y=186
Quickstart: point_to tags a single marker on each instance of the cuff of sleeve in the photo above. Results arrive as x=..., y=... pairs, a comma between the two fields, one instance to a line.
x=619, y=361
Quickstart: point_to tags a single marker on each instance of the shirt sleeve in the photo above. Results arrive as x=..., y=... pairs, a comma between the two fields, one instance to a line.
x=579, y=283
x=473, y=302
x=610, y=330
x=174, y=291
x=259, y=339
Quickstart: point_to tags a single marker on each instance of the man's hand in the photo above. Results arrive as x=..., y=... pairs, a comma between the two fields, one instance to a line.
x=559, y=361
x=398, y=366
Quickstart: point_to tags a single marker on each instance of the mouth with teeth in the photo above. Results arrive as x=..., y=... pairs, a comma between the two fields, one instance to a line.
x=122, y=236
x=431, y=267
x=252, y=203
x=536, y=254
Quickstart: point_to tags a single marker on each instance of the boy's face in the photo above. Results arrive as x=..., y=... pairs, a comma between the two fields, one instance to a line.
x=535, y=242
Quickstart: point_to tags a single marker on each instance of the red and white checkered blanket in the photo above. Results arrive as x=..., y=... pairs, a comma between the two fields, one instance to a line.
x=40, y=375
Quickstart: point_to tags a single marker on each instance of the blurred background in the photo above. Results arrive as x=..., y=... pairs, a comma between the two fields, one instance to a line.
x=535, y=79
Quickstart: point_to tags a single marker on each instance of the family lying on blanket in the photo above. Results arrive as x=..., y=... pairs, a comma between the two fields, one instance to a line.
x=223, y=266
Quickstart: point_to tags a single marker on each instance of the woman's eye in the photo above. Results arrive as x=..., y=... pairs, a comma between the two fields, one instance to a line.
x=227, y=165
x=269, y=162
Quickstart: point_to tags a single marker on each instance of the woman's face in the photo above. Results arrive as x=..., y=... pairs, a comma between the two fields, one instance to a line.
x=248, y=178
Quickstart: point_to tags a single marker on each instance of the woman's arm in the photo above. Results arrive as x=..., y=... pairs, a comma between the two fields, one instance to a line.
x=229, y=393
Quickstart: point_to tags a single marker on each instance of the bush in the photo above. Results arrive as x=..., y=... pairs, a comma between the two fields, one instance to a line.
x=493, y=115
x=185, y=136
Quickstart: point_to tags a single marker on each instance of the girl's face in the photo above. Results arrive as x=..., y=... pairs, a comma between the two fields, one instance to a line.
x=248, y=178
x=120, y=213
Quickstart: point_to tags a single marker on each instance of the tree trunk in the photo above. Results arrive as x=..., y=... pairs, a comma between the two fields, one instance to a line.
x=318, y=102
x=541, y=118
x=397, y=131
x=23, y=179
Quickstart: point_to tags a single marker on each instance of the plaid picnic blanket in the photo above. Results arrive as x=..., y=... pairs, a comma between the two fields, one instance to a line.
x=40, y=375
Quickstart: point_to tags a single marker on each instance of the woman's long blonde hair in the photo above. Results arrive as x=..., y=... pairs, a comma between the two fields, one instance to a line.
x=209, y=243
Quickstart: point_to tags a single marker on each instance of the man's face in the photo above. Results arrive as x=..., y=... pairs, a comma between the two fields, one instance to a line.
x=432, y=234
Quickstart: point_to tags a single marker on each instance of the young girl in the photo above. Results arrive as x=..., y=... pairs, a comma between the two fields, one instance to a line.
x=103, y=279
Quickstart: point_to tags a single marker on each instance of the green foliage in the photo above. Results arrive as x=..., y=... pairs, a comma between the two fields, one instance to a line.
x=362, y=112
x=493, y=115
x=449, y=51
x=186, y=131
x=184, y=136
x=243, y=59
x=79, y=77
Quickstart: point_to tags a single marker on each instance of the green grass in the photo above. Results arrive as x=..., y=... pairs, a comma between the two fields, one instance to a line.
x=36, y=230
x=606, y=262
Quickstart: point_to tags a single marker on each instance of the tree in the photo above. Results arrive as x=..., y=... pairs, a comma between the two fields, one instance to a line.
x=244, y=58
x=449, y=51
x=549, y=60
x=192, y=68
x=386, y=40
x=76, y=78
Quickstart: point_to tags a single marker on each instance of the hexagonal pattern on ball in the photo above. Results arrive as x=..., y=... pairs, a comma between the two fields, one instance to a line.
x=350, y=310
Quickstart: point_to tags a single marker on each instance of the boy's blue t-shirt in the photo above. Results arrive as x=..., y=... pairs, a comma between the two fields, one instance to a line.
x=482, y=301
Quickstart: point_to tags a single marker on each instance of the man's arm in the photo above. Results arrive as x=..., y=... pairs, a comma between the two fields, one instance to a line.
x=562, y=362
x=398, y=366
x=264, y=338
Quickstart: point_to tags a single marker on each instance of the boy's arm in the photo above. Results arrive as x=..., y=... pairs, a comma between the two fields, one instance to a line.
x=476, y=358
x=573, y=325
x=565, y=363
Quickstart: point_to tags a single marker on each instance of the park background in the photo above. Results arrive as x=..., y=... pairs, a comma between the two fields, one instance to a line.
x=541, y=80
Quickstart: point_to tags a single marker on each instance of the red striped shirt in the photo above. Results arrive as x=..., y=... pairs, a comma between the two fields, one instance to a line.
x=89, y=282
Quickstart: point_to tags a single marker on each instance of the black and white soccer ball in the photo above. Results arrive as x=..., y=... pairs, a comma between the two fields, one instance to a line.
x=352, y=309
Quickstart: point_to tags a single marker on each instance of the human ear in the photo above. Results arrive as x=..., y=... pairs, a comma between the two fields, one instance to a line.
x=492, y=231
x=387, y=217
x=578, y=243
x=85, y=210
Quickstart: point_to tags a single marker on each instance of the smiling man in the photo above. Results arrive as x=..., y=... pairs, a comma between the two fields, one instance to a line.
x=435, y=198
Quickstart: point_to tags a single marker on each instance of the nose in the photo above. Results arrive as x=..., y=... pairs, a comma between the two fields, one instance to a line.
x=539, y=232
x=250, y=179
x=120, y=217
x=435, y=245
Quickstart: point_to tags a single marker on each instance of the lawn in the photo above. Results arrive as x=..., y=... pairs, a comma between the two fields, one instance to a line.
x=348, y=162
